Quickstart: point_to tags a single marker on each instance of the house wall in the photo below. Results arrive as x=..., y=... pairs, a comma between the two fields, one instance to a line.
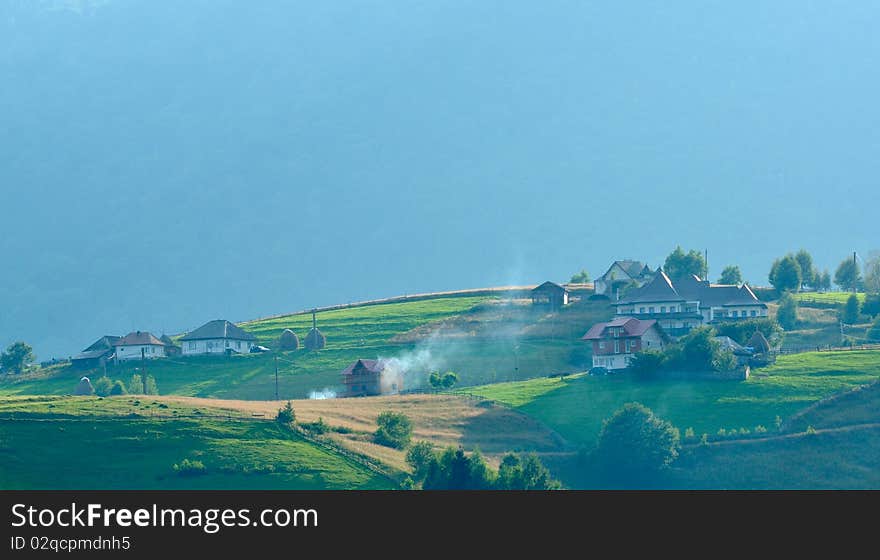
x=720, y=312
x=652, y=340
x=612, y=361
x=151, y=351
x=214, y=346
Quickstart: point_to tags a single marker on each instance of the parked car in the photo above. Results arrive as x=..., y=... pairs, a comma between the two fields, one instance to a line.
x=258, y=349
x=598, y=370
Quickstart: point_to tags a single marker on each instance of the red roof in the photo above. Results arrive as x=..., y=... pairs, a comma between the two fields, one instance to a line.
x=139, y=338
x=371, y=366
x=631, y=326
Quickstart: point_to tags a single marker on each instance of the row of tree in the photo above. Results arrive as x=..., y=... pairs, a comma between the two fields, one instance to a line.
x=791, y=273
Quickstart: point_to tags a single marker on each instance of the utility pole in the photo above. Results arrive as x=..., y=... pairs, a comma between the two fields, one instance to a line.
x=855, y=272
x=144, y=368
x=276, y=377
x=706, y=260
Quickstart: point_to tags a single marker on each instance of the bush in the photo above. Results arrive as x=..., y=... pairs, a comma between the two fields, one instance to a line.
x=442, y=381
x=760, y=429
x=118, y=388
x=286, y=416
x=103, y=386
x=189, y=468
x=318, y=427
x=810, y=431
x=646, y=363
x=524, y=472
x=778, y=423
x=395, y=430
x=689, y=434
x=453, y=470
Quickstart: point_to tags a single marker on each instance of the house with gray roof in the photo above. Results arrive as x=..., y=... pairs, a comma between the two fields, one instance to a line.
x=217, y=337
x=97, y=354
x=620, y=275
x=690, y=302
x=139, y=345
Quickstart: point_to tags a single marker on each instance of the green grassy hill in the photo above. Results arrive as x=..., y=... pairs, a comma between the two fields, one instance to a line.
x=839, y=453
x=482, y=338
x=576, y=405
x=83, y=442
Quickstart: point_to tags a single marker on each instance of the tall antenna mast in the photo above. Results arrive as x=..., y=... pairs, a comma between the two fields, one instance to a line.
x=314, y=319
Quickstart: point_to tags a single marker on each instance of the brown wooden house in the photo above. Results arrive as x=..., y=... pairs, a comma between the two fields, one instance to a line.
x=365, y=378
x=550, y=295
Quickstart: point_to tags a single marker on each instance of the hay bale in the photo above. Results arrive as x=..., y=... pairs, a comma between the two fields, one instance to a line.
x=84, y=387
x=759, y=343
x=288, y=340
x=315, y=340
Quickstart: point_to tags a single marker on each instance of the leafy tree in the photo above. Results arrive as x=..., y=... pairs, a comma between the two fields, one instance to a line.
x=871, y=306
x=850, y=312
x=785, y=274
x=395, y=430
x=646, y=363
x=872, y=273
x=823, y=281
x=731, y=275
x=805, y=261
x=634, y=444
x=847, y=275
x=419, y=457
x=679, y=263
x=874, y=332
x=742, y=331
x=16, y=357
x=136, y=385
x=103, y=386
x=454, y=470
x=286, y=415
x=699, y=351
x=118, y=388
x=442, y=381
x=787, y=313
x=524, y=472
x=581, y=277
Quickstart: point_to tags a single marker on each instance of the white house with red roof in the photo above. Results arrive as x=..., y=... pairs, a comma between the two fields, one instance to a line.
x=614, y=342
x=137, y=345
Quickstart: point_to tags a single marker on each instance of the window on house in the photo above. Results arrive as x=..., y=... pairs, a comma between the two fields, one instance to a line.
x=627, y=345
x=754, y=313
x=663, y=309
x=601, y=346
x=238, y=344
x=735, y=314
x=641, y=309
x=650, y=309
x=617, y=347
x=228, y=344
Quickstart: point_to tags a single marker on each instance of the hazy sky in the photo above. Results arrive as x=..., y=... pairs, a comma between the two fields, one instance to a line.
x=166, y=163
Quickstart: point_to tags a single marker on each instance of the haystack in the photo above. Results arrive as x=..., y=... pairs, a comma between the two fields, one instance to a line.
x=315, y=340
x=759, y=343
x=288, y=340
x=84, y=387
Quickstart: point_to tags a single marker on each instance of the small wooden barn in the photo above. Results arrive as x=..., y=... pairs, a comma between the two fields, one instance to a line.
x=364, y=378
x=550, y=295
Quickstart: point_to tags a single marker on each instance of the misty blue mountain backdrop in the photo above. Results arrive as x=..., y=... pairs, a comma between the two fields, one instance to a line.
x=166, y=163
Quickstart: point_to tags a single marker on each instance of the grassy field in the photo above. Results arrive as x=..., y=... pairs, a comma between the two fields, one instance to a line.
x=576, y=405
x=840, y=454
x=444, y=420
x=825, y=298
x=84, y=443
x=484, y=340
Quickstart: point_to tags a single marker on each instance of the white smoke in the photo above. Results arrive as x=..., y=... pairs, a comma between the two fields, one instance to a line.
x=324, y=393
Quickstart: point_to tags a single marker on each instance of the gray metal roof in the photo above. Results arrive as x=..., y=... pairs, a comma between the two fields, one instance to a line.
x=218, y=329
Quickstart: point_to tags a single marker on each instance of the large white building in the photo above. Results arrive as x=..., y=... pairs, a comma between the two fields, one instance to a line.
x=217, y=337
x=139, y=345
x=689, y=302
